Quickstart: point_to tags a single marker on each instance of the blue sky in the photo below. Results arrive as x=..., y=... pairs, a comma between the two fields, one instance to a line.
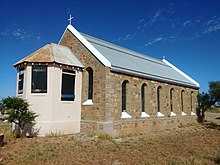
x=186, y=32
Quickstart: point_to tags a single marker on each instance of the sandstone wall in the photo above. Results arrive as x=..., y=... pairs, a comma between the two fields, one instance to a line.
x=95, y=112
x=105, y=113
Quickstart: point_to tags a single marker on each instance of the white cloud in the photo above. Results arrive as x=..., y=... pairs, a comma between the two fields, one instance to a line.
x=125, y=38
x=212, y=21
x=159, y=39
x=19, y=33
x=38, y=37
x=186, y=23
x=153, y=41
x=170, y=38
x=157, y=14
x=211, y=29
x=198, y=21
x=5, y=33
x=165, y=22
x=154, y=18
x=141, y=20
x=212, y=25
x=171, y=10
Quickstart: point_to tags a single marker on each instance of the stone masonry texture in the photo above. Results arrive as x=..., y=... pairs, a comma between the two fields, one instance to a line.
x=105, y=113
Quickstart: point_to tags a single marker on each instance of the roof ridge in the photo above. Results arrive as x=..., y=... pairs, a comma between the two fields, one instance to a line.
x=121, y=49
x=52, y=53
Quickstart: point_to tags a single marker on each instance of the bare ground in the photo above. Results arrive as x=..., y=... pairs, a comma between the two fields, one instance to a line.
x=212, y=117
x=192, y=144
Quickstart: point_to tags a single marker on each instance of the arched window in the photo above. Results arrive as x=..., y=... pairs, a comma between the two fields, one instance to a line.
x=171, y=99
x=191, y=101
x=182, y=100
x=143, y=97
x=90, y=83
x=124, y=96
x=159, y=90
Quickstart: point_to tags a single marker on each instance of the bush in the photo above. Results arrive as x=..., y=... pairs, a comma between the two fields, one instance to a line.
x=17, y=111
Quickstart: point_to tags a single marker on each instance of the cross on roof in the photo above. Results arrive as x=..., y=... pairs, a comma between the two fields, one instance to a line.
x=70, y=19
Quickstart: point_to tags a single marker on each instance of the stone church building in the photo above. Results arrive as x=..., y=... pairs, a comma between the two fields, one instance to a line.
x=86, y=84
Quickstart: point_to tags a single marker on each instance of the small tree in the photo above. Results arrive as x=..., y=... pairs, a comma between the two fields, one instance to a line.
x=214, y=90
x=205, y=102
x=17, y=111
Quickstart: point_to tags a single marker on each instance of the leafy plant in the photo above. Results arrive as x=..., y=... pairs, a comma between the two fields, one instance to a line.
x=17, y=111
x=205, y=103
x=214, y=90
x=207, y=100
x=105, y=136
x=54, y=134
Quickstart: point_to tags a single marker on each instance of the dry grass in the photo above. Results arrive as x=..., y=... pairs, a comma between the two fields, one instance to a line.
x=195, y=144
x=5, y=128
x=215, y=110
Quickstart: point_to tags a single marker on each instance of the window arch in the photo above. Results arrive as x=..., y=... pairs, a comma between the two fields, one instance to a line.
x=143, y=97
x=171, y=99
x=90, y=83
x=182, y=100
x=191, y=101
x=159, y=91
x=124, y=95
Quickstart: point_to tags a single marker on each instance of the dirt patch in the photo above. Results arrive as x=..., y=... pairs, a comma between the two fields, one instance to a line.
x=194, y=144
x=212, y=117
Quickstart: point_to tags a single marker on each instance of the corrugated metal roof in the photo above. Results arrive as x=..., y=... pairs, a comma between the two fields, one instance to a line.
x=52, y=53
x=130, y=62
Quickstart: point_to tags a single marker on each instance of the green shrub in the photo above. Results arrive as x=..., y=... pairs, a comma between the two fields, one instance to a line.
x=17, y=111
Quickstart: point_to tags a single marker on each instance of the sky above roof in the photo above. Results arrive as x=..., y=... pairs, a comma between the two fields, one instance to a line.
x=186, y=32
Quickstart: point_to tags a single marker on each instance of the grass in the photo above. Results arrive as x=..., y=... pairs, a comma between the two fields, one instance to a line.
x=6, y=129
x=212, y=125
x=104, y=136
x=54, y=134
x=195, y=144
x=214, y=110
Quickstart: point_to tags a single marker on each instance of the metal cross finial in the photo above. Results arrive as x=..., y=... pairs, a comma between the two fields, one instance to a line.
x=70, y=19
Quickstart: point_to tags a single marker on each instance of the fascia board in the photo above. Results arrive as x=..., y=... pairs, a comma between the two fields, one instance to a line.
x=89, y=46
x=180, y=72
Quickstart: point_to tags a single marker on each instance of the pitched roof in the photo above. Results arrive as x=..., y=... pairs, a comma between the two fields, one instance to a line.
x=52, y=53
x=126, y=61
x=130, y=62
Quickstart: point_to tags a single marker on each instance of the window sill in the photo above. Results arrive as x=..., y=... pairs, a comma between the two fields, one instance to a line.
x=38, y=94
x=172, y=114
x=20, y=92
x=144, y=114
x=125, y=115
x=183, y=113
x=159, y=114
x=193, y=114
x=88, y=102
